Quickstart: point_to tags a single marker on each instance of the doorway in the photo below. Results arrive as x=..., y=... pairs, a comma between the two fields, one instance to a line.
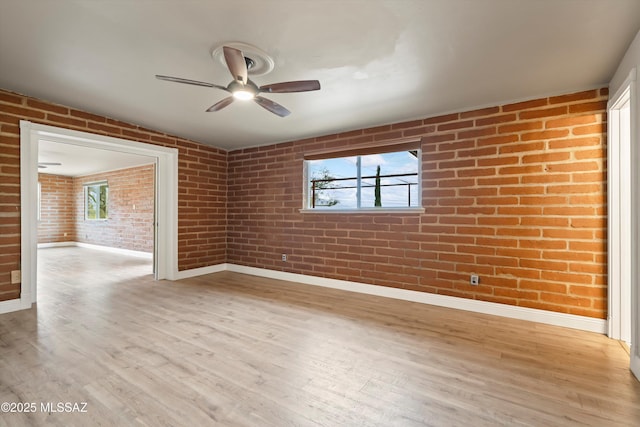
x=624, y=218
x=95, y=198
x=620, y=218
x=166, y=183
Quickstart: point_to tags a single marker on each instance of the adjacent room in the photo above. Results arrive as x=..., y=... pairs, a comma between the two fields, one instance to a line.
x=80, y=188
x=93, y=203
x=319, y=213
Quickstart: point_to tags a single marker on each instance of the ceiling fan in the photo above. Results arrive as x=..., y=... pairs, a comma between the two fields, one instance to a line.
x=44, y=165
x=242, y=88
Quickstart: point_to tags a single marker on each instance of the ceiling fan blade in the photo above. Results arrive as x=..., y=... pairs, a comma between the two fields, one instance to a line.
x=189, y=82
x=236, y=64
x=44, y=165
x=274, y=107
x=220, y=104
x=297, y=86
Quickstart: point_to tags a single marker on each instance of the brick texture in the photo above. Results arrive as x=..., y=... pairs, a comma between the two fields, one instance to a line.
x=201, y=182
x=515, y=193
x=131, y=210
x=57, y=209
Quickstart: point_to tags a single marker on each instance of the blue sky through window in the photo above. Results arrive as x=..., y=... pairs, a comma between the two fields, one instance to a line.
x=396, y=191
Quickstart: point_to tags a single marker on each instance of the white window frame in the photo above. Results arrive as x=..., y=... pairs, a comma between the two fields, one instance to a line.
x=86, y=201
x=362, y=151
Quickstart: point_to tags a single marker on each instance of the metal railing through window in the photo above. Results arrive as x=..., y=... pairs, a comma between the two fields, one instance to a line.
x=333, y=184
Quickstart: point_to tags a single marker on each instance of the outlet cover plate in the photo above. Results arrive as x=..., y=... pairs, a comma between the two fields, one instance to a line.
x=15, y=277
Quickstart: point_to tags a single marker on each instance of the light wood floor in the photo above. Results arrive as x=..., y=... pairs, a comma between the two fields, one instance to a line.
x=234, y=350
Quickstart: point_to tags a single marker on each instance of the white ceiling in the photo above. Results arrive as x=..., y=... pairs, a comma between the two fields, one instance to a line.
x=378, y=61
x=77, y=160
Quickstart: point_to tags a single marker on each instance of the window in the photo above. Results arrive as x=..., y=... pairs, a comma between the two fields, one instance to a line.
x=364, y=179
x=95, y=200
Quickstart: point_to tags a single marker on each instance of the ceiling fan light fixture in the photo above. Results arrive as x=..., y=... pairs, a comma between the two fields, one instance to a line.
x=243, y=95
x=243, y=89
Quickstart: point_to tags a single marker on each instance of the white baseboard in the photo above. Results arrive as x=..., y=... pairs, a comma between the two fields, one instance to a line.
x=56, y=245
x=523, y=313
x=139, y=254
x=14, y=305
x=635, y=363
x=185, y=274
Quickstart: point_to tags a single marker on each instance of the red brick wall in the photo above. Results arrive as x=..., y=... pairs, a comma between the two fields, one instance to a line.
x=201, y=182
x=515, y=193
x=128, y=227
x=130, y=210
x=57, y=222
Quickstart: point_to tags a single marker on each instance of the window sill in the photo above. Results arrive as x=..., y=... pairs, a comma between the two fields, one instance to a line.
x=363, y=210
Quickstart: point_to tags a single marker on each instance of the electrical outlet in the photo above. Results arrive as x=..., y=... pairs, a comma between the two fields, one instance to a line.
x=15, y=277
x=284, y=257
x=474, y=280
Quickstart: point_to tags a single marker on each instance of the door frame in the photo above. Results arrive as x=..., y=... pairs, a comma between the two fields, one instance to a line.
x=623, y=261
x=166, y=200
x=620, y=198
